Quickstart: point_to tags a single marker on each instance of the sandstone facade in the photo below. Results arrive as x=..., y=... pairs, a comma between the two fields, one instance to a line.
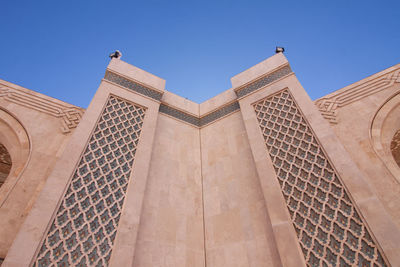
x=257, y=176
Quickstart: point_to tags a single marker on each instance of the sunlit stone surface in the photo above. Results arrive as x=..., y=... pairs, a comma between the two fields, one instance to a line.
x=259, y=175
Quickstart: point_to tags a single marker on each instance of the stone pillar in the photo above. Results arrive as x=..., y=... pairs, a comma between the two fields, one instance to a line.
x=81, y=215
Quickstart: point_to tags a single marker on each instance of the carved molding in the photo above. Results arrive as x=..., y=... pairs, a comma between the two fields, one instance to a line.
x=329, y=105
x=263, y=81
x=115, y=78
x=196, y=120
x=69, y=115
x=225, y=109
x=219, y=113
x=180, y=115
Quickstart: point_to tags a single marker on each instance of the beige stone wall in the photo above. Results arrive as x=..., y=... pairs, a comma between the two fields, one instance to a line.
x=358, y=110
x=171, y=225
x=237, y=226
x=37, y=226
x=204, y=190
x=35, y=133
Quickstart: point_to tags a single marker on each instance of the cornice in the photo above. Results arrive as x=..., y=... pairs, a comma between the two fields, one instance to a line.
x=263, y=81
x=330, y=104
x=69, y=115
x=199, y=121
x=219, y=113
x=179, y=114
x=133, y=85
x=227, y=108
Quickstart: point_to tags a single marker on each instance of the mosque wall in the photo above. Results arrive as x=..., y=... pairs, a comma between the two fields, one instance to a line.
x=292, y=130
x=81, y=204
x=256, y=176
x=365, y=117
x=35, y=129
x=238, y=231
x=171, y=224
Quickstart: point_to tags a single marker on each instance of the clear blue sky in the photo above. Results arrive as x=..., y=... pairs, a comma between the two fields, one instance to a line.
x=60, y=48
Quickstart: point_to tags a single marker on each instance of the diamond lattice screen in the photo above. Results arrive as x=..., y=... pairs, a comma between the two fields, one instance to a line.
x=83, y=230
x=329, y=228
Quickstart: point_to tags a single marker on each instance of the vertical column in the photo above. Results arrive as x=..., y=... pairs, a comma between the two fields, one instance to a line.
x=315, y=194
x=82, y=216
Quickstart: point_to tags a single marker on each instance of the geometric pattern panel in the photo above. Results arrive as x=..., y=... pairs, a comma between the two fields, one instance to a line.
x=328, y=226
x=84, y=228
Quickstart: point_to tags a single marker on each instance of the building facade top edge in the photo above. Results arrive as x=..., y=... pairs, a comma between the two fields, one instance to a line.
x=257, y=71
x=263, y=81
x=180, y=115
x=69, y=114
x=133, y=85
x=136, y=74
x=360, y=82
x=180, y=102
x=219, y=107
x=217, y=101
x=134, y=80
x=260, y=77
x=200, y=121
x=219, y=113
x=330, y=104
x=180, y=109
x=51, y=100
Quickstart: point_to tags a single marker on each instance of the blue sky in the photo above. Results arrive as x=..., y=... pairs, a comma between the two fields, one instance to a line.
x=60, y=48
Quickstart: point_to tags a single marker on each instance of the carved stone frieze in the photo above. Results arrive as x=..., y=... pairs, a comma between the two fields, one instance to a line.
x=197, y=120
x=261, y=82
x=70, y=115
x=329, y=105
x=131, y=85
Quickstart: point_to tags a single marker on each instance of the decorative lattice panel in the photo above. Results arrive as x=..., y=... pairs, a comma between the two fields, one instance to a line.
x=83, y=230
x=329, y=228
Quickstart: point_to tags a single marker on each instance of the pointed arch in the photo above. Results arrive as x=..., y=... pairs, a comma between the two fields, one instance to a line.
x=384, y=126
x=16, y=141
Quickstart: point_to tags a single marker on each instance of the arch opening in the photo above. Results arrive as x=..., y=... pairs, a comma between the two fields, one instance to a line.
x=5, y=164
x=395, y=147
x=16, y=143
x=385, y=134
